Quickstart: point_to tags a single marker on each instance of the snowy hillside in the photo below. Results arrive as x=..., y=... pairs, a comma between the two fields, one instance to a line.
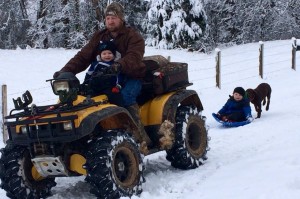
x=257, y=161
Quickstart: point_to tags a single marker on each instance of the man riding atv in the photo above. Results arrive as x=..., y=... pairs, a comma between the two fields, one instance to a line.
x=130, y=51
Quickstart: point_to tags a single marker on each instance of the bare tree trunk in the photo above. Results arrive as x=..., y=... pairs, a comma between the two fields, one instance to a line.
x=23, y=9
x=77, y=24
x=99, y=11
x=66, y=22
x=41, y=10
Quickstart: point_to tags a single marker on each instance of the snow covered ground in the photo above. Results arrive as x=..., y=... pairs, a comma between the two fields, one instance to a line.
x=257, y=161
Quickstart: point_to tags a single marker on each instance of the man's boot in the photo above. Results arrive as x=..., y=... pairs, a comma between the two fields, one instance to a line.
x=134, y=111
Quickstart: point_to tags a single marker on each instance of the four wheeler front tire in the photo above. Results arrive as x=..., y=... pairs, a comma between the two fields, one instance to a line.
x=114, y=166
x=191, y=139
x=16, y=175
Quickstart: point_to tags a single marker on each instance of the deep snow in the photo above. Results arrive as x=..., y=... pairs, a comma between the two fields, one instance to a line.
x=259, y=160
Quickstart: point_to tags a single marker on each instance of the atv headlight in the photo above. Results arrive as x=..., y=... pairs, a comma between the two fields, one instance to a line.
x=67, y=126
x=23, y=129
x=60, y=85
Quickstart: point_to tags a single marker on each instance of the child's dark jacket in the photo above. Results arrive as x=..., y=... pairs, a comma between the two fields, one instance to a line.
x=233, y=106
x=95, y=67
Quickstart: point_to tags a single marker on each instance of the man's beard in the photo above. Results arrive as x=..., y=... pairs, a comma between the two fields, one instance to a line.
x=113, y=28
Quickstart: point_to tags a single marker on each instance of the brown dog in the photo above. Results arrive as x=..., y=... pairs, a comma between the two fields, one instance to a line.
x=258, y=95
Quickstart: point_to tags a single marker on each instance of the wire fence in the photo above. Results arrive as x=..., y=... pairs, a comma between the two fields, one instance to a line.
x=233, y=66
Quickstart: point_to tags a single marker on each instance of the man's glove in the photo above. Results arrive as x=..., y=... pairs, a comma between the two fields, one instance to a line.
x=56, y=74
x=250, y=119
x=64, y=75
x=116, y=67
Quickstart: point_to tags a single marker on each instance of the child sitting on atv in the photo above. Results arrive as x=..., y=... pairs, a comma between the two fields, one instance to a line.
x=105, y=58
x=237, y=108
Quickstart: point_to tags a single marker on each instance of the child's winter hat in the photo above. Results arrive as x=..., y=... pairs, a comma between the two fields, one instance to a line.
x=107, y=45
x=240, y=91
x=115, y=9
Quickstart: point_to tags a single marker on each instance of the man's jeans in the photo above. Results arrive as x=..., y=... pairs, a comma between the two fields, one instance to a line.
x=130, y=91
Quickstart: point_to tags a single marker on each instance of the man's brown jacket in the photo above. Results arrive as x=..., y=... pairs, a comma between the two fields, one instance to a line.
x=129, y=43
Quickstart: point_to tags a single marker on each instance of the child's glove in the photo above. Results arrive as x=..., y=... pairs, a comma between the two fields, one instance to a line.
x=116, y=89
x=116, y=68
x=250, y=119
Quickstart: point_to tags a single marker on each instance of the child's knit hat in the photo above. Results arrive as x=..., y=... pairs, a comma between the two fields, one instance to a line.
x=240, y=91
x=107, y=45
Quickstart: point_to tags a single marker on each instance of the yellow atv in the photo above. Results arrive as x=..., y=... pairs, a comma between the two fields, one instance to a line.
x=87, y=135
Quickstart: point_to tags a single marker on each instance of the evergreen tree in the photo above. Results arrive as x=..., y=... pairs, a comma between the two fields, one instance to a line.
x=223, y=21
x=237, y=21
x=287, y=20
x=67, y=23
x=135, y=12
x=73, y=30
x=47, y=30
x=175, y=23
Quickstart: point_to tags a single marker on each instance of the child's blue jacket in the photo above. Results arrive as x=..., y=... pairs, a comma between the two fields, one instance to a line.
x=232, y=106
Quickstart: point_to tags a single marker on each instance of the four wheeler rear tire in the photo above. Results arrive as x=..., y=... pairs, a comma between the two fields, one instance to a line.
x=191, y=139
x=114, y=166
x=16, y=175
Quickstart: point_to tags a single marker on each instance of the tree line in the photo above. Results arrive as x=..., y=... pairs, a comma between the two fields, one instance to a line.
x=199, y=25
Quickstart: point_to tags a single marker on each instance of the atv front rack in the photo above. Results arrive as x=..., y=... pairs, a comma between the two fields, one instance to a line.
x=35, y=112
x=40, y=111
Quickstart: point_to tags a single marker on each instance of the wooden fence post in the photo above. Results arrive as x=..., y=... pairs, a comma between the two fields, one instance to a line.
x=218, y=68
x=261, y=59
x=4, y=112
x=294, y=49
